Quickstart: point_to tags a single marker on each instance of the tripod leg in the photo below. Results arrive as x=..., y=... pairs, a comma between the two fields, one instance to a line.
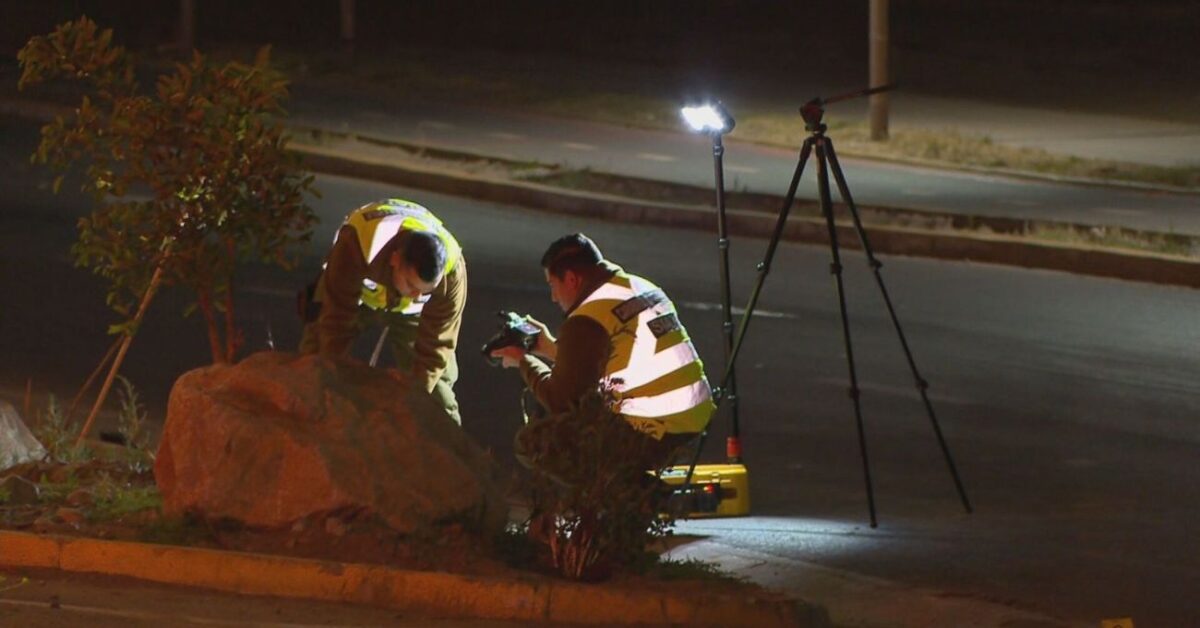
x=835, y=268
x=922, y=385
x=764, y=267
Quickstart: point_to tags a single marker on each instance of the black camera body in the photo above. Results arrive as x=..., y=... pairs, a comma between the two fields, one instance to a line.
x=515, y=331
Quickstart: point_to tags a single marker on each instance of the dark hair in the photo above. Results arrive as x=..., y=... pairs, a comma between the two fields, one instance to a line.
x=575, y=252
x=426, y=253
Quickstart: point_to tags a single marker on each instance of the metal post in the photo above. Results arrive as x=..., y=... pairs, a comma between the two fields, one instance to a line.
x=879, y=69
x=347, y=22
x=733, y=445
x=187, y=27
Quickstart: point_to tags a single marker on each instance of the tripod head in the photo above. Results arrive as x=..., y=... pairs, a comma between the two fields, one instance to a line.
x=814, y=110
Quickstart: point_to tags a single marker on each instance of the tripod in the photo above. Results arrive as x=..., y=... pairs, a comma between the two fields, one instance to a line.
x=818, y=143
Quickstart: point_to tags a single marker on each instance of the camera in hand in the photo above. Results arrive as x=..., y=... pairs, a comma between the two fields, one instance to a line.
x=515, y=331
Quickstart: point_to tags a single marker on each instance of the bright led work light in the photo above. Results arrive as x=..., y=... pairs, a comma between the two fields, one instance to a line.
x=710, y=118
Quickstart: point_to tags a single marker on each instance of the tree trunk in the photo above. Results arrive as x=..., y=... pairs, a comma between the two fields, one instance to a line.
x=155, y=281
x=233, y=339
x=204, y=301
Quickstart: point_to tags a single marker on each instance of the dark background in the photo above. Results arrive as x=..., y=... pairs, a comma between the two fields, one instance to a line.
x=1128, y=56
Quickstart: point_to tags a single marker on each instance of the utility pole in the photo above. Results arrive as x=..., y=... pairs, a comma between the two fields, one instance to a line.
x=347, y=32
x=879, y=75
x=187, y=27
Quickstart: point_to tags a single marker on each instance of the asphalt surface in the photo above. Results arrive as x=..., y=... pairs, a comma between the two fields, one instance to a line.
x=1069, y=402
x=687, y=158
x=51, y=599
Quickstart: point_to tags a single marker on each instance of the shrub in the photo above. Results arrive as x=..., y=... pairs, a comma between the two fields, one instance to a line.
x=596, y=506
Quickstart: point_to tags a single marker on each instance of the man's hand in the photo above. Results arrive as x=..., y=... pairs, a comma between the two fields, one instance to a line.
x=510, y=357
x=547, y=345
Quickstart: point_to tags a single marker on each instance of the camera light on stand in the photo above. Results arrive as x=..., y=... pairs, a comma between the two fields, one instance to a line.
x=713, y=119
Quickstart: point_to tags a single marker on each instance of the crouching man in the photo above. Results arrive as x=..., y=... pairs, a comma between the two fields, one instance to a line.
x=393, y=264
x=623, y=333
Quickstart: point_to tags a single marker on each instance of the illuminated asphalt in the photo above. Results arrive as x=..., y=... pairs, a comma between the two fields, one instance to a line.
x=1069, y=402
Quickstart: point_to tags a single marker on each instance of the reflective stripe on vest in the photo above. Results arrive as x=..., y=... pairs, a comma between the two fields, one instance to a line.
x=376, y=224
x=653, y=367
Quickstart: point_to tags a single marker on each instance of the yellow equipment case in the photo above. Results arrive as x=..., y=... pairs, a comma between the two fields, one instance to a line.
x=717, y=490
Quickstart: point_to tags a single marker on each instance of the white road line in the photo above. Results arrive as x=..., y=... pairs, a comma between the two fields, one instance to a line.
x=893, y=391
x=736, y=311
x=434, y=124
x=267, y=291
x=1117, y=211
x=656, y=157
x=745, y=169
x=578, y=146
x=502, y=135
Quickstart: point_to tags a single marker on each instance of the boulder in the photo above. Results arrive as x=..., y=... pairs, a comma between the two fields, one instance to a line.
x=17, y=443
x=281, y=437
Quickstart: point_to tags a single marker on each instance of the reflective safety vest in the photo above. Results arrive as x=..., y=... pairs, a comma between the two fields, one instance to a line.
x=652, y=367
x=376, y=224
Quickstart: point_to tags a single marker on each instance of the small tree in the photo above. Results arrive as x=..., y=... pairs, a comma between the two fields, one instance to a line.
x=204, y=154
x=208, y=151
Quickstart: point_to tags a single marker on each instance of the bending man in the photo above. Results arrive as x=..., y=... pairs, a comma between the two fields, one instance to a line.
x=620, y=329
x=394, y=264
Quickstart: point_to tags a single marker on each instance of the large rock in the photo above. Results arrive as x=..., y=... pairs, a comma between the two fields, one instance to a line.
x=17, y=443
x=279, y=437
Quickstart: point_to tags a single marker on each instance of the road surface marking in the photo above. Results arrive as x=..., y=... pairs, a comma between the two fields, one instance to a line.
x=283, y=293
x=736, y=311
x=912, y=192
x=434, y=124
x=656, y=157
x=501, y=135
x=745, y=169
x=578, y=146
x=894, y=391
x=1117, y=211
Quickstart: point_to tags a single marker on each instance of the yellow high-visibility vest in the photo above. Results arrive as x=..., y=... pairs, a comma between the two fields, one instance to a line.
x=376, y=224
x=652, y=367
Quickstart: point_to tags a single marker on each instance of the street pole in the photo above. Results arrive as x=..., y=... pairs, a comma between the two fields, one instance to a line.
x=878, y=114
x=187, y=27
x=347, y=30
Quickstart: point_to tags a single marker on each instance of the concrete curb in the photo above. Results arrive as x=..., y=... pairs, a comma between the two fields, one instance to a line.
x=441, y=594
x=997, y=249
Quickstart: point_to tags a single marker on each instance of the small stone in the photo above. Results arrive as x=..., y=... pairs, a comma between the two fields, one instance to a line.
x=72, y=516
x=20, y=490
x=80, y=498
x=335, y=526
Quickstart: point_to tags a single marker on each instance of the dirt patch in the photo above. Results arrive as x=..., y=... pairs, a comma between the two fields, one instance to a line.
x=105, y=499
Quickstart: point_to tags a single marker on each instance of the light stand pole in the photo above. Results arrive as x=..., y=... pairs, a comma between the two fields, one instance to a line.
x=715, y=121
x=733, y=444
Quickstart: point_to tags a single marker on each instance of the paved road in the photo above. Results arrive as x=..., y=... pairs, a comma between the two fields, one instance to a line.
x=687, y=158
x=50, y=599
x=1069, y=402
